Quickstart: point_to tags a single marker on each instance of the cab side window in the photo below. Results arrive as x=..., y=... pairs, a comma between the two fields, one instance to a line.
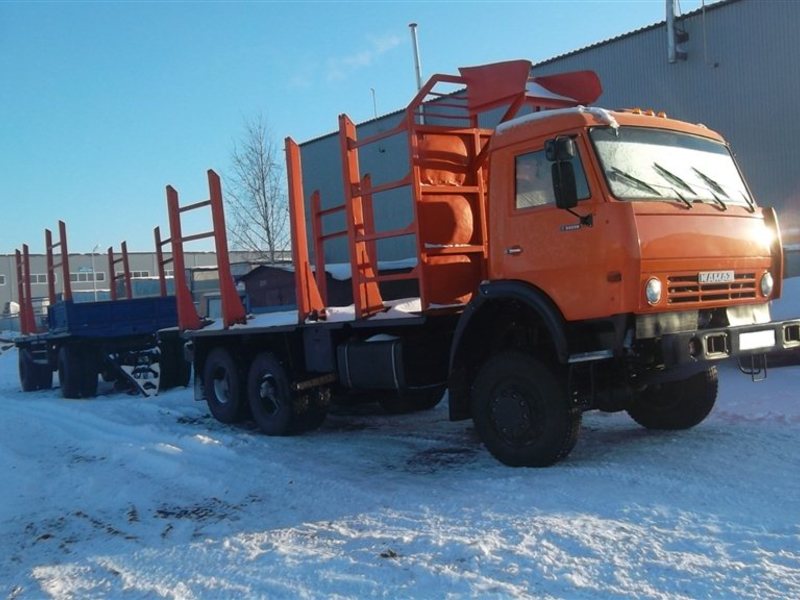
x=534, y=182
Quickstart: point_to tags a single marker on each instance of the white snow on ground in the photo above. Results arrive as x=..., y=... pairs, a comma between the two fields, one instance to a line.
x=126, y=497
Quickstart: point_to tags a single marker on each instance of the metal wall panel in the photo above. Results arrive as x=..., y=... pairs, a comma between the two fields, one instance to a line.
x=741, y=78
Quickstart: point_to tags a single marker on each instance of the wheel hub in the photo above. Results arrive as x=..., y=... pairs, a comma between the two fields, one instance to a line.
x=222, y=386
x=268, y=393
x=514, y=415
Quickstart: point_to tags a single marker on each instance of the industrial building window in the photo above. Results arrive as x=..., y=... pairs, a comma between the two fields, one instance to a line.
x=2, y=279
x=134, y=274
x=87, y=276
x=37, y=278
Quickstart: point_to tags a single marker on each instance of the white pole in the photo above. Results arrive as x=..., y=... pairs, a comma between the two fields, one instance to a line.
x=671, y=53
x=415, y=46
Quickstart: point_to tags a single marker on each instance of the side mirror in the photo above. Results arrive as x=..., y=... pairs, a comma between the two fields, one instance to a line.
x=560, y=148
x=564, y=185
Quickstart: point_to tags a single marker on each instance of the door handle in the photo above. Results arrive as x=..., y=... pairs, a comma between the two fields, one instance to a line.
x=513, y=250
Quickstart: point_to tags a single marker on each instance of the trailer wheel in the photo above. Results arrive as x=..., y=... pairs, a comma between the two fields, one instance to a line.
x=223, y=389
x=406, y=401
x=522, y=412
x=270, y=398
x=70, y=369
x=676, y=404
x=175, y=371
x=33, y=376
x=89, y=372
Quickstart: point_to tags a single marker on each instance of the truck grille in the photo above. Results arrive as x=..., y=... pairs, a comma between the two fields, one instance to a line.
x=684, y=289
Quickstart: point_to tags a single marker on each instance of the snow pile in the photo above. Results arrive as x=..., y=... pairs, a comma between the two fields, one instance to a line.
x=122, y=496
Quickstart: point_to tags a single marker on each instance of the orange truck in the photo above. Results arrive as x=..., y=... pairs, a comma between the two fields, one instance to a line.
x=568, y=259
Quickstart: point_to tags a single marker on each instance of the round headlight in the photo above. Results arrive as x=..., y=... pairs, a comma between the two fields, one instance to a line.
x=652, y=290
x=766, y=284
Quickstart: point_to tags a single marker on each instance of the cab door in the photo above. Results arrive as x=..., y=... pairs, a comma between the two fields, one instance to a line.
x=534, y=241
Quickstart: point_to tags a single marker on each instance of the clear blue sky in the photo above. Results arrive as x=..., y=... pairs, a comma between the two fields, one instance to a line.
x=103, y=104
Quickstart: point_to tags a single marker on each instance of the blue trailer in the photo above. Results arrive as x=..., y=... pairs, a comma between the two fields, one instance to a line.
x=133, y=341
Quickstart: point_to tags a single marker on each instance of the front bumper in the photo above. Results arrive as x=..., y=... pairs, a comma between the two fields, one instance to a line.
x=708, y=345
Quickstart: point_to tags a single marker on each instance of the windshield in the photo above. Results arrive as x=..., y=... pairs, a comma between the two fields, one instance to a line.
x=654, y=164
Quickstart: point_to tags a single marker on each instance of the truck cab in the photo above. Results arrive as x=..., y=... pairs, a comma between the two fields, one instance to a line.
x=660, y=227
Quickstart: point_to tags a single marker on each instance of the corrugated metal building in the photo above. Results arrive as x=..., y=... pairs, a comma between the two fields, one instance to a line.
x=740, y=77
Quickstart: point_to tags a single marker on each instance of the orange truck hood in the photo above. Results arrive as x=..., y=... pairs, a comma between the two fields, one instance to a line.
x=703, y=237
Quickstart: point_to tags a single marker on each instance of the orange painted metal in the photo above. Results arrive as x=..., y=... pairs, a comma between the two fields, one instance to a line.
x=187, y=313
x=66, y=284
x=366, y=293
x=630, y=241
x=319, y=246
x=369, y=217
x=50, y=248
x=309, y=299
x=232, y=308
x=124, y=275
x=162, y=262
x=27, y=321
x=51, y=281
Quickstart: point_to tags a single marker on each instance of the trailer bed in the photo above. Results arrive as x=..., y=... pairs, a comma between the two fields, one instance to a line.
x=112, y=319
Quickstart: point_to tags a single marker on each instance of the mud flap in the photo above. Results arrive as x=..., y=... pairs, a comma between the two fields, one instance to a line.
x=141, y=369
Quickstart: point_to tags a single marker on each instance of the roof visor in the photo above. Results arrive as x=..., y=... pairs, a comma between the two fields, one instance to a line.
x=512, y=82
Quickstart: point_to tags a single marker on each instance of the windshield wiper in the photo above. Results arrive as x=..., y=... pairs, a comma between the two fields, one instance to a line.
x=750, y=204
x=670, y=176
x=682, y=198
x=639, y=183
x=713, y=187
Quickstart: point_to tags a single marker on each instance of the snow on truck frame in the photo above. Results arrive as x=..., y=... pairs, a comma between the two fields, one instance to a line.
x=122, y=339
x=639, y=262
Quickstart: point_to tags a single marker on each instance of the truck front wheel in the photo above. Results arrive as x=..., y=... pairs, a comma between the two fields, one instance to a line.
x=522, y=411
x=676, y=404
x=223, y=387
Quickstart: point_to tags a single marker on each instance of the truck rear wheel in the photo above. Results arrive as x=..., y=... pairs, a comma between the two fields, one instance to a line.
x=223, y=387
x=676, y=404
x=522, y=412
x=33, y=376
x=270, y=398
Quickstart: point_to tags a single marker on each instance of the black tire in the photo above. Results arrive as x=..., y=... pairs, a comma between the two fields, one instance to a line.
x=406, y=401
x=174, y=370
x=89, y=371
x=313, y=411
x=522, y=411
x=270, y=398
x=222, y=384
x=70, y=370
x=33, y=376
x=184, y=372
x=676, y=404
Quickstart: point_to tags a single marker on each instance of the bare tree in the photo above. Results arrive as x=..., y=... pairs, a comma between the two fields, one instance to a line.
x=256, y=194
